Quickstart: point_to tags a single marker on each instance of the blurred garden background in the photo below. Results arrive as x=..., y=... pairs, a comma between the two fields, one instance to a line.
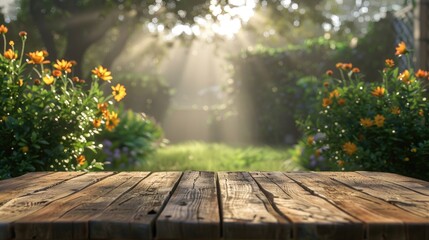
x=222, y=84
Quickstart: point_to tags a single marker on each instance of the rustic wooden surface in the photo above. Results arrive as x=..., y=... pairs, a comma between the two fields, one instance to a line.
x=214, y=205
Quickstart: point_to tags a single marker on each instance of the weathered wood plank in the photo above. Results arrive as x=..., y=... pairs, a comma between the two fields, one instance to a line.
x=24, y=205
x=404, y=198
x=68, y=218
x=193, y=210
x=408, y=182
x=312, y=216
x=6, y=183
x=382, y=220
x=24, y=186
x=132, y=215
x=246, y=212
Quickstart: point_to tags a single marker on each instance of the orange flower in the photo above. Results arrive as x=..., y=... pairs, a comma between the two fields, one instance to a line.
x=102, y=107
x=119, y=92
x=23, y=34
x=421, y=112
x=341, y=101
x=56, y=73
x=379, y=120
x=395, y=110
x=3, y=29
x=401, y=49
x=405, y=76
x=389, y=63
x=366, y=122
x=81, y=160
x=339, y=65
x=340, y=163
x=347, y=66
x=48, y=79
x=10, y=54
x=38, y=57
x=112, y=121
x=378, y=92
x=20, y=82
x=102, y=73
x=96, y=123
x=63, y=65
x=326, y=102
x=334, y=94
x=421, y=74
x=329, y=72
x=350, y=148
x=356, y=70
x=326, y=84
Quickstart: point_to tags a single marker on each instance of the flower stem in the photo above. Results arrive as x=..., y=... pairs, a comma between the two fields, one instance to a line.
x=22, y=51
x=4, y=42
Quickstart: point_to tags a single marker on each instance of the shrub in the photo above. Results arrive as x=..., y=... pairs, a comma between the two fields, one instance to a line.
x=378, y=126
x=130, y=143
x=47, y=118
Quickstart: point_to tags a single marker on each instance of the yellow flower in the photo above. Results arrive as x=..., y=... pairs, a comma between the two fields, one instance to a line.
x=48, y=79
x=406, y=159
x=310, y=140
x=378, y=92
x=421, y=74
x=3, y=29
x=119, y=92
x=326, y=102
x=96, y=123
x=25, y=149
x=405, y=76
x=112, y=121
x=63, y=65
x=38, y=57
x=11, y=43
x=334, y=93
x=379, y=120
x=350, y=148
x=81, y=160
x=102, y=73
x=10, y=54
x=390, y=63
x=401, y=49
x=395, y=110
x=20, y=82
x=414, y=150
x=366, y=122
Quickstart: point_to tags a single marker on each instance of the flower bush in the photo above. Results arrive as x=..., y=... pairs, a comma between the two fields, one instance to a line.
x=48, y=119
x=130, y=143
x=380, y=126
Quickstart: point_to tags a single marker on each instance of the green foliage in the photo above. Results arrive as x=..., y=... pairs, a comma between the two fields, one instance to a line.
x=46, y=122
x=377, y=126
x=130, y=143
x=220, y=157
x=146, y=93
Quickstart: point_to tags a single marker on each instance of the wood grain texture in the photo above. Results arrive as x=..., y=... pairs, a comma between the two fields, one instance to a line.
x=193, y=210
x=382, y=220
x=407, y=182
x=26, y=204
x=246, y=211
x=32, y=182
x=67, y=218
x=133, y=214
x=399, y=196
x=312, y=217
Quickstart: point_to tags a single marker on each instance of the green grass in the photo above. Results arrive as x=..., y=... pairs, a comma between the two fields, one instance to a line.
x=220, y=157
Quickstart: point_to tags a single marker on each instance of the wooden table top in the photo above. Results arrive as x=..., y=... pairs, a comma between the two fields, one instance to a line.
x=214, y=205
